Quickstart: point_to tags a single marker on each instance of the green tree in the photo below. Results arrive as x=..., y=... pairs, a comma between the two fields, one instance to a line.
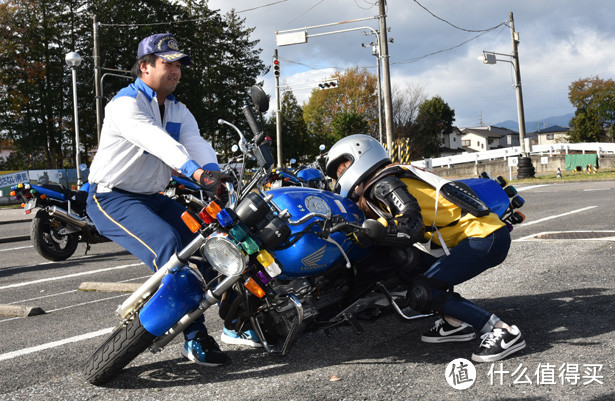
x=355, y=95
x=434, y=118
x=594, y=100
x=36, y=112
x=296, y=142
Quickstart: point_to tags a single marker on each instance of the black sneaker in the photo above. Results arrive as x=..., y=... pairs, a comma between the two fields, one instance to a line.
x=498, y=344
x=444, y=332
x=204, y=350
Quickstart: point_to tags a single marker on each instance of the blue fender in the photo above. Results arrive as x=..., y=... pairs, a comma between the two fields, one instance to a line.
x=179, y=293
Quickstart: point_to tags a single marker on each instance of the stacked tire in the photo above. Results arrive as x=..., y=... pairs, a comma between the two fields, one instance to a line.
x=525, y=169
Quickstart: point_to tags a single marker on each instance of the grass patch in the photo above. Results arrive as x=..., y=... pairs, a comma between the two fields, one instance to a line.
x=570, y=176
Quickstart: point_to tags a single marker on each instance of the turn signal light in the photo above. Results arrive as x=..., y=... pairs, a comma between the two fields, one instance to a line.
x=254, y=288
x=191, y=221
x=213, y=209
x=13, y=193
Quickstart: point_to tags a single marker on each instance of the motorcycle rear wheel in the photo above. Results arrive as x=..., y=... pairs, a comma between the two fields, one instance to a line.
x=48, y=242
x=121, y=347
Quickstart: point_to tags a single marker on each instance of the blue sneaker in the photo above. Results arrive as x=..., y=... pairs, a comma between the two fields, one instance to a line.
x=204, y=351
x=248, y=337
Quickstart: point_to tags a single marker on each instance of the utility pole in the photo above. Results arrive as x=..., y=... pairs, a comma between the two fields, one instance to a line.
x=388, y=103
x=526, y=170
x=278, y=122
x=515, y=59
x=97, y=84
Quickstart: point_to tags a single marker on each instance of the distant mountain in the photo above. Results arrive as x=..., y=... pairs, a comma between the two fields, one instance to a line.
x=533, y=126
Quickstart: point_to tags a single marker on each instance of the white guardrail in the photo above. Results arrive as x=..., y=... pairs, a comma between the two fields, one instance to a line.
x=504, y=153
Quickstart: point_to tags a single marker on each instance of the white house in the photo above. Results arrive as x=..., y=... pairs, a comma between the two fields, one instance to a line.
x=450, y=144
x=550, y=135
x=478, y=139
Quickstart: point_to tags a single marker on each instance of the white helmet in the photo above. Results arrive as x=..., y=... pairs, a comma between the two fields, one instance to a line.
x=366, y=155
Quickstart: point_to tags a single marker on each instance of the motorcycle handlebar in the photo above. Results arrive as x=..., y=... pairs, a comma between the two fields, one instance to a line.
x=259, y=136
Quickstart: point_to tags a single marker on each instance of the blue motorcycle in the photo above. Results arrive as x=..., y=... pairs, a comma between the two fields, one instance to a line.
x=61, y=221
x=287, y=260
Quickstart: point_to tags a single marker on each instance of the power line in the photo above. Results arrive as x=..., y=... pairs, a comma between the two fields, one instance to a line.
x=196, y=19
x=413, y=60
x=453, y=25
x=303, y=13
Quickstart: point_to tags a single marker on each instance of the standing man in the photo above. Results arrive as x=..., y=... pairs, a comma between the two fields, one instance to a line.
x=146, y=135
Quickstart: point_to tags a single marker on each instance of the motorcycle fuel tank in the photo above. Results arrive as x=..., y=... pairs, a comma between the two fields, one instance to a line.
x=311, y=255
x=309, y=174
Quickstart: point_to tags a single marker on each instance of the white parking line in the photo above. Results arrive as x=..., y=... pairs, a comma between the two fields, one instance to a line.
x=54, y=344
x=556, y=216
x=14, y=249
x=43, y=280
x=521, y=189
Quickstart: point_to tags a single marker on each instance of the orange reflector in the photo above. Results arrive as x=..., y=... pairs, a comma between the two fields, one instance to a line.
x=254, y=288
x=191, y=222
x=43, y=196
x=13, y=193
x=181, y=186
x=23, y=205
x=212, y=209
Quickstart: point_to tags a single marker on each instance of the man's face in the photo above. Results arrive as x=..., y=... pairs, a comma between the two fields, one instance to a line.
x=162, y=77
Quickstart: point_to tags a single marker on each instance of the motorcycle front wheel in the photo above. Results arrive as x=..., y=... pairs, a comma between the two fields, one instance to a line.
x=48, y=242
x=121, y=347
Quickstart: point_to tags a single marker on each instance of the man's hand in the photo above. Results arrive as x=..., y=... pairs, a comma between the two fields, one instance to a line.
x=212, y=181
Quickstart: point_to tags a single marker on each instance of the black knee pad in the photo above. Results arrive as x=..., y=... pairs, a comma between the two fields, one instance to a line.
x=419, y=296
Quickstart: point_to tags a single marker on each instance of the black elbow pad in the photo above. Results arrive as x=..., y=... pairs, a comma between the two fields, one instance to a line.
x=393, y=192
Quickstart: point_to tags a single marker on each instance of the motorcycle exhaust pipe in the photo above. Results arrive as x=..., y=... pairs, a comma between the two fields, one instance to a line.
x=67, y=217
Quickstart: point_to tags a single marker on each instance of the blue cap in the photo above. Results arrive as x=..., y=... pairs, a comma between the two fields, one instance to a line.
x=164, y=46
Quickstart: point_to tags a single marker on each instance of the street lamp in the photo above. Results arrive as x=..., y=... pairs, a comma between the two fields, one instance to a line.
x=526, y=170
x=73, y=60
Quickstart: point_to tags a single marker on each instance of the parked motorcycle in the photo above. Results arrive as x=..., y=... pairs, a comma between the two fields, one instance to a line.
x=305, y=175
x=61, y=221
x=289, y=255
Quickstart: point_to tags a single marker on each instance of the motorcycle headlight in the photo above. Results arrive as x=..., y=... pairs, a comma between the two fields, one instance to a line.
x=224, y=255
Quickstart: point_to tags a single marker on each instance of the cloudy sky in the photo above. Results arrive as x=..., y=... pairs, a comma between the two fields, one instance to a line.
x=560, y=41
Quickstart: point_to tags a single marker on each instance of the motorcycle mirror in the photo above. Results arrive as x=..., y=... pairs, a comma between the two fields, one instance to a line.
x=374, y=229
x=259, y=98
x=234, y=148
x=293, y=161
x=321, y=147
x=83, y=167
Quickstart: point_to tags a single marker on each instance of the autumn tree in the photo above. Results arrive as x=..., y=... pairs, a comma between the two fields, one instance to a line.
x=594, y=100
x=354, y=100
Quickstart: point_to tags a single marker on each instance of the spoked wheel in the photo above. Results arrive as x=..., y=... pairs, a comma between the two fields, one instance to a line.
x=47, y=240
x=121, y=347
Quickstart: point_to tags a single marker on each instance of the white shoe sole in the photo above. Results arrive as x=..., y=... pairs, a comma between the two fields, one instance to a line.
x=451, y=339
x=192, y=358
x=501, y=355
x=239, y=341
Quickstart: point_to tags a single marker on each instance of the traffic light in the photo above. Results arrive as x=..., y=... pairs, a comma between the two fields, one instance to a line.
x=328, y=84
x=276, y=67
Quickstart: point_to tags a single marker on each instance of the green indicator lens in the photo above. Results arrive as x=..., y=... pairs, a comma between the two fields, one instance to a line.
x=249, y=246
x=237, y=233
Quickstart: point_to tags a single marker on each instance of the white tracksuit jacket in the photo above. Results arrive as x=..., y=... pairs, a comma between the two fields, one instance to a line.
x=138, y=151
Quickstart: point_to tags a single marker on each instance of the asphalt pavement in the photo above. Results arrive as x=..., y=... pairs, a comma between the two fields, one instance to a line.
x=559, y=292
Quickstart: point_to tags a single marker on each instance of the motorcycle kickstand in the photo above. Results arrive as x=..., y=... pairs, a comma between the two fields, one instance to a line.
x=87, y=247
